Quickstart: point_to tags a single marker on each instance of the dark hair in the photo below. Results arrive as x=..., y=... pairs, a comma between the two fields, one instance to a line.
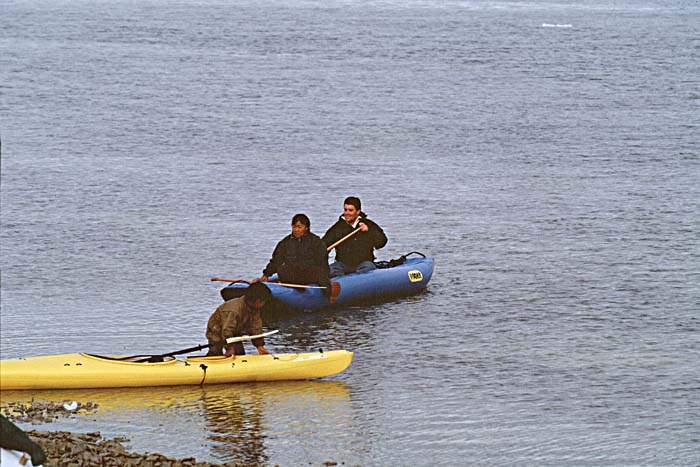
x=355, y=201
x=258, y=291
x=303, y=218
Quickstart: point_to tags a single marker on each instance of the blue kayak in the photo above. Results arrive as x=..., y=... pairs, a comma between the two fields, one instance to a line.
x=393, y=278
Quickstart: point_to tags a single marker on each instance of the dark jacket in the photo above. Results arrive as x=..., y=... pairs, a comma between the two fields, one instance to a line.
x=360, y=247
x=233, y=319
x=300, y=260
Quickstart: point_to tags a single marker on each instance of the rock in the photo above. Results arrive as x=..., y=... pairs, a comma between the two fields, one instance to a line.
x=38, y=412
x=64, y=449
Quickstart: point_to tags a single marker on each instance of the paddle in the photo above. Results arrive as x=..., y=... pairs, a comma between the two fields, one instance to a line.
x=342, y=239
x=335, y=286
x=230, y=340
x=297, y=286
x=229, y=280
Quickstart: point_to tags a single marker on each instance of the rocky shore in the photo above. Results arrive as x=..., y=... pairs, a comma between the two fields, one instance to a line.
x=65, y=449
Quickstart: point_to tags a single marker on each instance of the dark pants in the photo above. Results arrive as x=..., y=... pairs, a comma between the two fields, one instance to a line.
x=217, y=348
x=338, y=268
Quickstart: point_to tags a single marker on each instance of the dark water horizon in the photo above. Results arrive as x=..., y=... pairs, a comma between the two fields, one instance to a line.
x=543, y=153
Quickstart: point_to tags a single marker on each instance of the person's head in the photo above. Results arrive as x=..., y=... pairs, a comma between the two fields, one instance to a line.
x=257, y=296
x=352, y=207
x=300, y=225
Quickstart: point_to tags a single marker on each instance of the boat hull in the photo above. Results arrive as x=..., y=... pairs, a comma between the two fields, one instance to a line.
x=407, y=278
x=79, y=370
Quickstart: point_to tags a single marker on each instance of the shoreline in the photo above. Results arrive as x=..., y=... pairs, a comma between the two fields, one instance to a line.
x=73, y=449
x=64, y=448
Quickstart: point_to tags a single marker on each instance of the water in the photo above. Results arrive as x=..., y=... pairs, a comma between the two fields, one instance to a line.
x=545, y=154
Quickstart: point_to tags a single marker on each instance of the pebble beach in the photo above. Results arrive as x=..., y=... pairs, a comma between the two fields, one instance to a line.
x=67, y=449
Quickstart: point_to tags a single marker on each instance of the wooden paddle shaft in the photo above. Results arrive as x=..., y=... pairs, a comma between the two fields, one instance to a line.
x=297, y=286
x=283, y=284
x=220, y=279
x=342, y=239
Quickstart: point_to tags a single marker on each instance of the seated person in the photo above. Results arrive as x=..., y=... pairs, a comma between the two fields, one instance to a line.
x=355, y=254
x=300, y=257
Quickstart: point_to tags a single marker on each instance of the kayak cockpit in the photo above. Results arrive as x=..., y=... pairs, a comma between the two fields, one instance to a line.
x=133, y=358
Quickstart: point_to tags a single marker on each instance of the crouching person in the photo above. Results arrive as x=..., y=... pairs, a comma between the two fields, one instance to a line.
x=238, y=317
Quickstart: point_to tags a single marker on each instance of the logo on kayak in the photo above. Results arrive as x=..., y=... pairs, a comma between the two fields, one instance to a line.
x=415, y=276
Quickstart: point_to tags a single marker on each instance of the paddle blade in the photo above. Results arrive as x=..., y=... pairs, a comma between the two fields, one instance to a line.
x=335, y=291
x=231, y=340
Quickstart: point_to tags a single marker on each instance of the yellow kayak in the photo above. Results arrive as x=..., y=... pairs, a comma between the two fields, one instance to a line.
x=79, y=370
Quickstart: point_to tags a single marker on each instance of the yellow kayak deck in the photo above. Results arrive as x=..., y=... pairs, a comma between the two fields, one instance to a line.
x=79, y=370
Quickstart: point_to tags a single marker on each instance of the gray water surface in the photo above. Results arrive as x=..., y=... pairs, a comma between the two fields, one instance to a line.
x=545, y=154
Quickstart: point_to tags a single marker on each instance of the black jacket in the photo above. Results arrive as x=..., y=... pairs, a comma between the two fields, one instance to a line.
x=300, y=260
x=360, y=247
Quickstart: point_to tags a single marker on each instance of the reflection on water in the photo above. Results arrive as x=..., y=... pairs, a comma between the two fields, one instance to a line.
x=235, y=421
x=228, y=422
x=550, y=172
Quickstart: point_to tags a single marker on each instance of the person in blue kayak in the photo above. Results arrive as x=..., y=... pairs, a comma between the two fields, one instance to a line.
x=238, y=317
x=354, y=253
x=300, y=257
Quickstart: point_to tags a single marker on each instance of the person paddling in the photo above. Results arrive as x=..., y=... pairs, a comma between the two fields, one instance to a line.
x=357, y=253
x=238, y=317
x=300, y=257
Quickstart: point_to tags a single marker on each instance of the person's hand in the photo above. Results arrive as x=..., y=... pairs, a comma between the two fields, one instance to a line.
x=262, y=350
x=230, y=351
x=262, y=278
x=363, y=227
